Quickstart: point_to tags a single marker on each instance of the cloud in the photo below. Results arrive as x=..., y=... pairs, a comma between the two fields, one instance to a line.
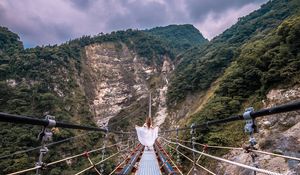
x=200, y=9
x=41, y=22
x=215, y=23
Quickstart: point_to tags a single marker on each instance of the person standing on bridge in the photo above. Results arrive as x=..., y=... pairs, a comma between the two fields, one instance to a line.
x=147, y=134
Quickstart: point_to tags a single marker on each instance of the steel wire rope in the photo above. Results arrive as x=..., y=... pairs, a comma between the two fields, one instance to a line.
x=173, y=162
x=92, y=163
x=61, y=160
x=120, y=163
x=191, y=160
x=126, y=116
x=49, y=144
x=21, y=119
x=241, y=149
x=225, y=160
x=113, y=155
x=287, y=107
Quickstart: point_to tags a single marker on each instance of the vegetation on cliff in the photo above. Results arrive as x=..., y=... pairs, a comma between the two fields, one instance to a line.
x=199, y=67
x=179, y=37
x=43, y=80
x=264, y=63
x=260, y=52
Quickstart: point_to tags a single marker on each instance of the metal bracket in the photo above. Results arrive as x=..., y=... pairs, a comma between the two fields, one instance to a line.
x=249, y=126
x=45, y=136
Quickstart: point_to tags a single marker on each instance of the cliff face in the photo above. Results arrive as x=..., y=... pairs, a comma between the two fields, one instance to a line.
x=90, y=80
x=114, y=78
x=277, y=134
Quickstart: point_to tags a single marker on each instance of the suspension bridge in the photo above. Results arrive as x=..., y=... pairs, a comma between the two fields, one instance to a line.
x=164, y=157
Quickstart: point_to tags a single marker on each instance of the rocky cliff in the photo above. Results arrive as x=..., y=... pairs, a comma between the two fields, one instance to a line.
x=278, y=134
x=100, y=80
x=115, y=79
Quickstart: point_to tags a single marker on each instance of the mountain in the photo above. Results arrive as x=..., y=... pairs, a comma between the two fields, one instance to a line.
x=89, y=81
x=199, y=67
x=106, y=79
x=179, y=37
x=240, y=68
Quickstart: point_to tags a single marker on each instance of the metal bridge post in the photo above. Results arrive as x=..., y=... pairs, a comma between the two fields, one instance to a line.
x=193, y=138
x=103, y=151
x=121, y=146
x=45, y=136
x=250, y=128
x=177, y=153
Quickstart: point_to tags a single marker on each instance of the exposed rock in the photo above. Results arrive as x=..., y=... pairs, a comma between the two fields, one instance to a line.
x=114, y=78
x=12, y=83
x=278, y=134
x=266, y=124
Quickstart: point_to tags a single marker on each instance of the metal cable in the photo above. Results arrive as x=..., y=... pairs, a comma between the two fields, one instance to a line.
x=49, y=144
x=5, y=117
x=11, y=118
x=241, y=149
x=225, y=160
x=91, y=162
x=120, y=163
x=209, y=146
x=191, y=159
x=88, y=168
x=20, y=119
x=292, y=106
x=26, y=170
x=61, y=160
x=118, y=166
x=277, y=155
x=173, y=162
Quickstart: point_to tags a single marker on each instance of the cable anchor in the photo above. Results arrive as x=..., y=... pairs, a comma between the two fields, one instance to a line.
x=45, y=136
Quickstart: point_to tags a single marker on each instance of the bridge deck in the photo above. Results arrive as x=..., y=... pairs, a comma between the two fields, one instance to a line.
x=148, y=164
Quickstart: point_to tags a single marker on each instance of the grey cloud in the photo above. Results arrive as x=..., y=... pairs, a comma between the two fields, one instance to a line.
x=55, y=21
x=140, y=15
x=199, y=9
x=82, y=4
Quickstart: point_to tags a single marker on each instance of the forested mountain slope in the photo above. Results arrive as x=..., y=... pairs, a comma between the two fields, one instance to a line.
x=236, y=70
x=84, y=81
x=199, y=67
x=105, y=79
x=179, y=37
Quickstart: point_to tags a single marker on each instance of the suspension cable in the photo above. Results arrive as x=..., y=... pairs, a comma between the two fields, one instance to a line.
x=292, y=106
x=225, y=160
x=241, y=149
x=11, y=118
x=113, y=155
x=20, y=119
x=210, y=146
x=48, y=145
x=92, y=163
x=190, y=159
x=120, y=164
x=126, y=116
x=173, y=162
x=61, y=160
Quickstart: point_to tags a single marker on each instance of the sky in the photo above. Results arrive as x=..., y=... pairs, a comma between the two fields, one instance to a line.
x=43, y=22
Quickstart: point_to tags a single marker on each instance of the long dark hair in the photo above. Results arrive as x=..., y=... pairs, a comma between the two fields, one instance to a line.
x=148, y=122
